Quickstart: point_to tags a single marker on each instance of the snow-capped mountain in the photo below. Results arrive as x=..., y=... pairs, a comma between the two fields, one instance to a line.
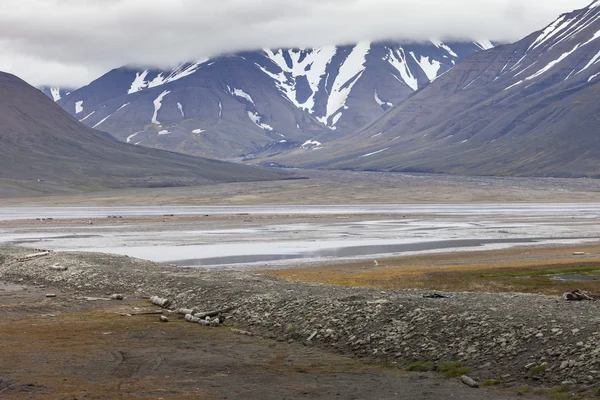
x=528, y=108
x=262, y=102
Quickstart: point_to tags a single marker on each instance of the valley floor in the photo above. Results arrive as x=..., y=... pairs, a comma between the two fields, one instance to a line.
x=339, y=328
x=321, y=187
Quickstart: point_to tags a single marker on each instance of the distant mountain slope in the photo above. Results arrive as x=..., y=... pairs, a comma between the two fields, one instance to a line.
x=263, y=102
x=55, y=93
x=528, y=108
x=39, y=140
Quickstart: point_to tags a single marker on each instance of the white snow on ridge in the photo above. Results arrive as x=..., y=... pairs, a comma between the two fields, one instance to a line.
x=372, y=154
x=350, y=71
x=257, y=121
x=311, y=143
x=101, y=122
x=484, y=44
x=431, y=68
x=440, y=45
x=87, y=116
x=198, y=131
x=158, y=105
x=55, y=92
x=312, y=65
x=130, y=137
x=397, y=58
x=123, y=106
x=78, y=107
x=139, y=82
x=381, y=102
x=181, y=110
x=240, y=93
x=183, y=70
x=561, y=58
x=164, y=132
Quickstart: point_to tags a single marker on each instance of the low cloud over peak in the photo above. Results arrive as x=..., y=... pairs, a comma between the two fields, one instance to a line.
x=70, y=42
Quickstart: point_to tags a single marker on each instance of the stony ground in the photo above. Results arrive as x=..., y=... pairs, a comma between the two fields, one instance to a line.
x=518, y=339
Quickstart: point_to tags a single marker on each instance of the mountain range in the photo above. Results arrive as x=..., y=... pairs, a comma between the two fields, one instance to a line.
x=527, y=108
x=40, y=142
x=260, y=103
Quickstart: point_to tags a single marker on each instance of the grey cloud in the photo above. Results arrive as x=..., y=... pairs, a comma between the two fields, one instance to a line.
x=70, y=42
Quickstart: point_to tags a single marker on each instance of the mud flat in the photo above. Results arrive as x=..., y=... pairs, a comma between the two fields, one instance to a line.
x=520, y=340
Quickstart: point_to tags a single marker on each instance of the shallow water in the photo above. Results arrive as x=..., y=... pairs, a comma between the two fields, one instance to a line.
x=404, y=229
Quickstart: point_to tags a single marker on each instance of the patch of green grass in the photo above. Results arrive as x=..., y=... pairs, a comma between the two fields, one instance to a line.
x=540, y=272
x=491, y=382
x=524, y=390
x=421, y=366
x=540, y=369
x=293, y=328
x=453, y=369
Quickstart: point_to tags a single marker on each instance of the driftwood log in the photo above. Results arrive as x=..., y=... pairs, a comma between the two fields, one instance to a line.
x=33, y=256
x=159, y=301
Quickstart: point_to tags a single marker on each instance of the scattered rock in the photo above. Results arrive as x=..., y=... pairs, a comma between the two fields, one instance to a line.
x=117, y=296
x=164, y=319
x=469, y=382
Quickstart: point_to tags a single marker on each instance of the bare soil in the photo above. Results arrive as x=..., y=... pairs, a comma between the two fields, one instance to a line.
x=324, y=187
x=68, y=347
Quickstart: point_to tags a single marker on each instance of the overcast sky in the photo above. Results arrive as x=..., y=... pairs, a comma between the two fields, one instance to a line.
x=71, y=42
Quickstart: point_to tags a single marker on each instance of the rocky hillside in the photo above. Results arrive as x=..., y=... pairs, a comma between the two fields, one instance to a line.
x=263, y=102
x=528, y=108
x=489, y=336
x=40, y=141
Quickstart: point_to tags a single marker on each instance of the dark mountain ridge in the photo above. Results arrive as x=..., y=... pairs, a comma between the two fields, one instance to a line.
x=39, y=140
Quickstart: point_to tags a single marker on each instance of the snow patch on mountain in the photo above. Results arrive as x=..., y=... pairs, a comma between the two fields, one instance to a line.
x=381, y=102
x=78, y=107
x=397, y=59
x=130, y=137
x=123, y=106
x=240, y=93
x=140, y=82
x=311, y=64
x=101, y=122
x=440, y=45
x=87, y=116
x=430, y=67
x=158, y=105
x=350, y=71
x=257, y=121
x=373, y=153
x=311, y=144
x=180, y=107
x=484, y=44
x=55, y=92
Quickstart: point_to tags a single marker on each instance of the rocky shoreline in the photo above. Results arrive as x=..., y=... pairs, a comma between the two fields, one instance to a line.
x=518, y=339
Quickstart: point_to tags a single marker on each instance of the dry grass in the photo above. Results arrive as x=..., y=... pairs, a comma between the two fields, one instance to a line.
x=523, y=271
